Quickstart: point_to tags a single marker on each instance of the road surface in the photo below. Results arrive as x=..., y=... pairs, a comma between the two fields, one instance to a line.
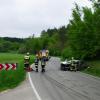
x=59, y=85
x=22, y=92
x=56, y=85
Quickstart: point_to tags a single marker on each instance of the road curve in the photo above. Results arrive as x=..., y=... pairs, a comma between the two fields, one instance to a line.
x=22, y=92
x=59, y=85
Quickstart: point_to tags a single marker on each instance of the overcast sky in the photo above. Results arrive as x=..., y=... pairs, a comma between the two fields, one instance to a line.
x=22, y=18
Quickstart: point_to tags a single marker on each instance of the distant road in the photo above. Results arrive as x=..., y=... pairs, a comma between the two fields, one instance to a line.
x=56, y=85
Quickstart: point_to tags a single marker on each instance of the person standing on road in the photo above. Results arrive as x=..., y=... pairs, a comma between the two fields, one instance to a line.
x=43, y=63
x=36, y=62
x=27, y=61
x=40, y=55
x=47, y=55
x=43, y=60
x=73, y=64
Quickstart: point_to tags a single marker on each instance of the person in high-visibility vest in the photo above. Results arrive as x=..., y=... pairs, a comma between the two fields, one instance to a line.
x=27, y=61
x=43, y=60
x=43, y=63
x=47, y=55
x=36, y=62
x=73, y=64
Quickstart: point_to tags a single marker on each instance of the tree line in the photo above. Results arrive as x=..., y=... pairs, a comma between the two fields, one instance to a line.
x=80, y=38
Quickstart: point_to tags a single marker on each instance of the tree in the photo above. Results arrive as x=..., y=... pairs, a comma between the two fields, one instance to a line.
x=84, y=32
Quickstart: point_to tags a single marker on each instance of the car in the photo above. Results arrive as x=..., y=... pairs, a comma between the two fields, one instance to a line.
x=65, y=65
x=77, y=65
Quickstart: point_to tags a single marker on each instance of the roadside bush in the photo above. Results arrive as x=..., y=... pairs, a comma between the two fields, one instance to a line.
x=67, y=53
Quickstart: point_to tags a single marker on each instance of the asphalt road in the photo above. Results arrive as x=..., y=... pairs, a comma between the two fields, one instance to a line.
x=55, y=85
x=22, y=92
x=64, y=85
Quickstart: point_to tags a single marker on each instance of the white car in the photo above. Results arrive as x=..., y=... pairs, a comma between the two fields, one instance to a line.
x=66, y=65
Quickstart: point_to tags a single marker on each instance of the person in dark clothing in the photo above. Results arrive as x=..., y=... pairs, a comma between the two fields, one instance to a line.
x=26, y=61
x=43, y=63
x=36, y=62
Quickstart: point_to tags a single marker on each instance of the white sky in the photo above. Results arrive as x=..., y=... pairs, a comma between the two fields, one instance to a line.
x=22, y=18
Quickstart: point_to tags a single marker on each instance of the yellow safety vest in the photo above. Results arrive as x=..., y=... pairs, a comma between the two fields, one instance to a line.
x=26, y=57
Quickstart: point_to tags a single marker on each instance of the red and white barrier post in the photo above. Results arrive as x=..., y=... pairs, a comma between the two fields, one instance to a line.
x=8, y=66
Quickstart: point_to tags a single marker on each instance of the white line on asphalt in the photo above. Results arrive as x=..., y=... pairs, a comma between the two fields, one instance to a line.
x=33, y=87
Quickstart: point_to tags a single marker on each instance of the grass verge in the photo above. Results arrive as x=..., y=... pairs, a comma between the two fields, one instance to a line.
x=12, y=78
x=94, y=68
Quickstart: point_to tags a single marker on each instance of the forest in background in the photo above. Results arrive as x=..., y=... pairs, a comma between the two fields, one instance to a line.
x=80, y=38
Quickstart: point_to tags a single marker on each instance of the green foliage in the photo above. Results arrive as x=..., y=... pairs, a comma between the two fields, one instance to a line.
x=22, y=49
x=84, y=33
x=33, y=45
x=94, y=68
x=55, y=40
x=10, y=44
x=67, y=53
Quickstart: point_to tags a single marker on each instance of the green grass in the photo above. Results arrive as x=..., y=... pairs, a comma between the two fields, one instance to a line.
x=12, y=78
x=94, y=68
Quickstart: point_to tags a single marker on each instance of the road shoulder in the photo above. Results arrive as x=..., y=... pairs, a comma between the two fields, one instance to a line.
x=22, y=92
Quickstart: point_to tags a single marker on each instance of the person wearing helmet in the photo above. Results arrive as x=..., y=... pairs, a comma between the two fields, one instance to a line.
x=36, y=62
x=73, y=64
x=43, y=63
x=40, y=55
x=28, y=53
x=43, y=60
x=27, y=61
x=47, y=55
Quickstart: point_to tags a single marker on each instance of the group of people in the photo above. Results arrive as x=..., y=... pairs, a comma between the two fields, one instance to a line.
x=41, y=56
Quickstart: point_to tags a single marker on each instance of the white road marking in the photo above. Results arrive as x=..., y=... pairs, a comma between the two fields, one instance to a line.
x=33, y=87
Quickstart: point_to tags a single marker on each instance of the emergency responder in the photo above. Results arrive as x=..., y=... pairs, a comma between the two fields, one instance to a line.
x=43, y=60
x=43, y=63
x=36, y=62
x=73, y=64
x=47, y=55
x=39, y=55
x=27, y=61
